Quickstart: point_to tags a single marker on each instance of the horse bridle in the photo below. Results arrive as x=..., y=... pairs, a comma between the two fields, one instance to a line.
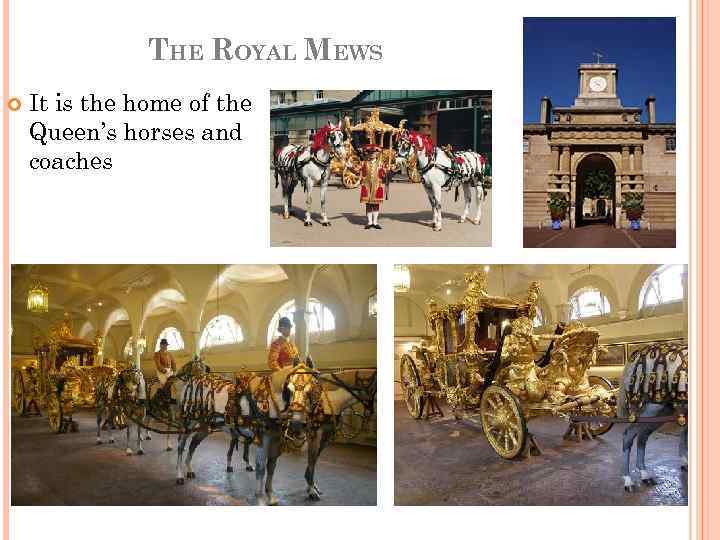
x=331, y=150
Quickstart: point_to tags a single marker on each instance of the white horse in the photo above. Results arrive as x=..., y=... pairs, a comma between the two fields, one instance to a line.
x=122, y=396
x=654, y=384
x=440, y=170
x=316, y=405
x=311, y=167
x=202, y=410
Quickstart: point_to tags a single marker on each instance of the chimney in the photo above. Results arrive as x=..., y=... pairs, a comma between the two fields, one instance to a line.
x=545, y=109
x=650, y=104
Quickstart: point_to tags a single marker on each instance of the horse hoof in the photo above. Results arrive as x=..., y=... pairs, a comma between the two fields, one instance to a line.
x=649, y=481
x=129, y=452
x=286, y=216
x=249, y=468
x=229, y=469
x=273, y=501
x=461, y=220
x=325, y=223
x=629, y=489
x=180, y=481
x=313, y=496
x=308, y=224
x=140, y=452
x=476, y=221
x=190, y=474
x=148, y=438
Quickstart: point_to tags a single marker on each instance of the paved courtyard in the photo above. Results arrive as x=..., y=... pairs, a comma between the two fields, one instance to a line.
x=597, y=236
x=70, y=469
x=406, y=219
x=444, y=462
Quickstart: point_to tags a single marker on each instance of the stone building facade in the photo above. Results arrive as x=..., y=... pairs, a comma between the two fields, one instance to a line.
x=598, y=133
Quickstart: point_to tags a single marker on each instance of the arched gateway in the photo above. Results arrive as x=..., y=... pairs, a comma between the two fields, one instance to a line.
x=595, y=200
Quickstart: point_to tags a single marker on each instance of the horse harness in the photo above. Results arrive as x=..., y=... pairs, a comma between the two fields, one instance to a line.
x=296, y=165
x=662, y=389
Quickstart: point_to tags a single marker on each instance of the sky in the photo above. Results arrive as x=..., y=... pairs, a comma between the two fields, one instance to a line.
x=642, y=48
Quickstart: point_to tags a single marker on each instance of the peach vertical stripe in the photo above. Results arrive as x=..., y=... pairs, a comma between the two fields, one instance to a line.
x=6, y=270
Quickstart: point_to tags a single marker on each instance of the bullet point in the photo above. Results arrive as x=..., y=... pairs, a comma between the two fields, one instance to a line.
x=14, y=104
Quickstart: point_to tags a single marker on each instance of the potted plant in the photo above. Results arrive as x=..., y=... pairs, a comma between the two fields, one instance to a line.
x=633, y=205
x=558, y=205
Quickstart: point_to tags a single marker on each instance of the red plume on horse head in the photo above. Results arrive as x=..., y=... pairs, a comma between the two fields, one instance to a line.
x=321, y=136
x=421, y=141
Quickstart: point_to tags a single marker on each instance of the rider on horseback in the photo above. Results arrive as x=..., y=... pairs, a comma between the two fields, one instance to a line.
x=283, y=351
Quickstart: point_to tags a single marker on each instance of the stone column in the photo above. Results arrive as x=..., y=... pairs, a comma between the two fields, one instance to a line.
x=302, y=336
x=555, y=158
x=565, y=160
x=637, y=154
x=625, y=159
x=563, y=312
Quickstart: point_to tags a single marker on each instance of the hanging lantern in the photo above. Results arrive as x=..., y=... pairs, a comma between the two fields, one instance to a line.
x=401, y=278
x=37, y=299
x=141, y=344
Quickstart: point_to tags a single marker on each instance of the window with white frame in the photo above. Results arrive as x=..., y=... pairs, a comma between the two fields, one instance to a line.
x=221, y=330
x=588, y=302
x=173, y=337
x=670, y=143
x=538, y=321
x=320, y=320
x=319, y=94
x=663, y=286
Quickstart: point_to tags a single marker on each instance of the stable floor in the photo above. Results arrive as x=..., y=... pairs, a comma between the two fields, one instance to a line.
x=406, y=219
x=597, y=236
x=70, y=469
x=445, y=462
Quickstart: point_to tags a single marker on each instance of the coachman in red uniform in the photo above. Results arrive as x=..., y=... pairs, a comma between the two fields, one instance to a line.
x=372, y=187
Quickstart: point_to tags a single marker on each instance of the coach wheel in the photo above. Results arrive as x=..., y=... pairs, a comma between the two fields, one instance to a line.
x=413, y=391
x=598, y=427
x=18, y=397
x=503, y=421
x=55, y=413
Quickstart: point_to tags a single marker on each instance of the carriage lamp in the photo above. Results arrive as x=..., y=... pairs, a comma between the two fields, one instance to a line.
x=401, y=278
x=37, y=299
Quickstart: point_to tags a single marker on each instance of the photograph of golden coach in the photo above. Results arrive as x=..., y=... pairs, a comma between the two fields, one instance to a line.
x=483, y=358
x=60, y=379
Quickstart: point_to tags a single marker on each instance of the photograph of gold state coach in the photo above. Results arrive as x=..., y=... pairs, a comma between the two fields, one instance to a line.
x=381, y=167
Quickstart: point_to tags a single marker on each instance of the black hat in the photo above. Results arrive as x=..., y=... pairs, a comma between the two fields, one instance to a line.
x=284, y=322
x=163, y=341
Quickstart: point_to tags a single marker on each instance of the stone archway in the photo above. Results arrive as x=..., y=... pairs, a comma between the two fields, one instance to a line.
x=589, y=207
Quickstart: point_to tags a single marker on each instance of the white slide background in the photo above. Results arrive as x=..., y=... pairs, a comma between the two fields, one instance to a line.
x=174, y=203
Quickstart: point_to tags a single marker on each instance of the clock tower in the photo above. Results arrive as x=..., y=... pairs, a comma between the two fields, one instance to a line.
x=597, y=86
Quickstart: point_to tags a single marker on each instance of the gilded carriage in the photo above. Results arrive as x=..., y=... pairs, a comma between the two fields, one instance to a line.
x=376, y=132
x=61, y=378
x=485, y=361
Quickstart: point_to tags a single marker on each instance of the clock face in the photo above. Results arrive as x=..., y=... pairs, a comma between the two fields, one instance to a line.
x=597, y=84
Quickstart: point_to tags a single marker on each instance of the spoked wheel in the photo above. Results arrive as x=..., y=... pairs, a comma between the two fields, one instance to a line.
x=503, y=422
x=351, y=421
x=599, y=428
x=350, y=175
x=55, y=413
x=18, y=393
x=411, y=386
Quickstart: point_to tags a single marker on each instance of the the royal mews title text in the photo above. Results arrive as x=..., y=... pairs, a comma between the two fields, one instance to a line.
x=223, y=49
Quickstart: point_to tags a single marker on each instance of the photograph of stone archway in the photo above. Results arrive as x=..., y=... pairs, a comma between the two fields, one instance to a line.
x=599, y=173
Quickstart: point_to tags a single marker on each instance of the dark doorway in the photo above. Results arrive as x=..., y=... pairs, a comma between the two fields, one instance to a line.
x=595, y=191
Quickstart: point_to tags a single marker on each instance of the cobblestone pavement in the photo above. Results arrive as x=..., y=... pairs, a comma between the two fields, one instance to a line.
x=597, y=236
x=449, y=463
x=406, y=219
x=70, y=469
